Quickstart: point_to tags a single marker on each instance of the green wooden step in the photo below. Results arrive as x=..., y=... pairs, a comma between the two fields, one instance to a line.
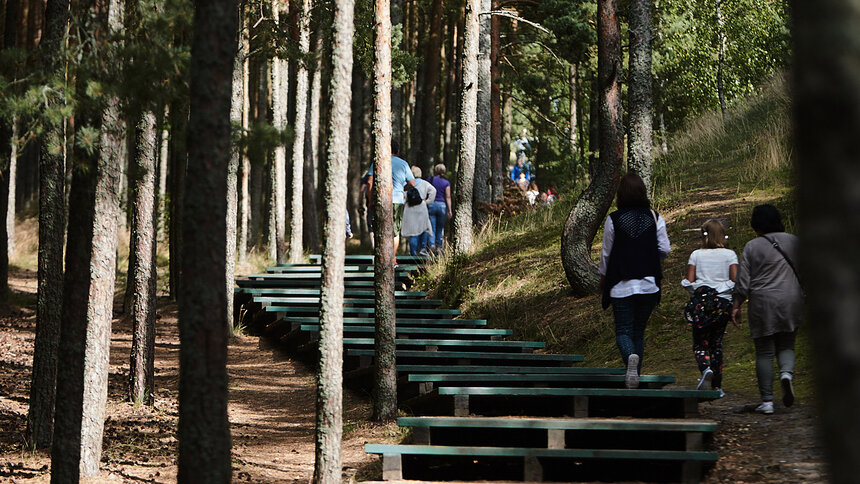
x=400, y=342
x=316, y=268
x=475, y=355
x=291, y=276
x=508, y=369
x=354, y=301
x=407, y=322
x=286, y=291
x=609, y=424
x=441, y=313
x=584, y=392
x=295, y=283
x=384, y=449
x=313, y=328
x=533, y=377
x=368, y=258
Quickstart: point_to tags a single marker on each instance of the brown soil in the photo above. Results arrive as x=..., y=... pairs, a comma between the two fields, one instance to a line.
x=272, y=416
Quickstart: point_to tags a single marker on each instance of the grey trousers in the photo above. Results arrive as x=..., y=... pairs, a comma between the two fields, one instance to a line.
x=780, y=346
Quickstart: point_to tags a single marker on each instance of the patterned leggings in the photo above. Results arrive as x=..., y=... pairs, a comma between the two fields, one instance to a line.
x=708, y=349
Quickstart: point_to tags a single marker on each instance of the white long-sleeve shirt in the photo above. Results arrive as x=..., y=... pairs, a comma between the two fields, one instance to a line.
x=630, y=287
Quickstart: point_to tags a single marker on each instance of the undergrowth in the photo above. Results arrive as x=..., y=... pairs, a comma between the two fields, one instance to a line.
x=719, y=167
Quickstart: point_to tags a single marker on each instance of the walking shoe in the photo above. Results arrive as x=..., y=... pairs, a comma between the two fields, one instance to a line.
x=722, y=393
x=765, y=408
x=631, y=379
x=787, y=390
x=705, y=381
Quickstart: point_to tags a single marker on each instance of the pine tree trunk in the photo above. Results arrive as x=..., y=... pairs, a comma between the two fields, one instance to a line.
x=52, y=224
x=826, y=106
x=466, y=168
x=507, y=130
x=311, y=228
x=591, y=207
x=483, y=145
x=82, y=379
x=143, y=273
x=298, y=161
x=639, y=98
x=277, y=175
x=397, y=92
x=329, y=418
x=385, y=381
x=204, y=429
x=244, y=192
x=10, y=197
x=177, y=174
x=721, y=55
x=574, y=122
x=593, y=127
x=163, y=161
x=237, y=107
x=498, y=165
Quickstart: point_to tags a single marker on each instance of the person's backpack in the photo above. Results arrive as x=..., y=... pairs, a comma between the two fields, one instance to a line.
x=413, y=197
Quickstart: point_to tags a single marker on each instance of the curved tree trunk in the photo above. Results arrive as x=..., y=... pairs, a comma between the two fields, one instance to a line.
x=483, y=145
x=468, y=106
x=204, y=429
x=329, y=417
x=385, y=381
x=298, y=162
x=585, y=217
x=827, y=119
x=639, y=99
x=143, y=273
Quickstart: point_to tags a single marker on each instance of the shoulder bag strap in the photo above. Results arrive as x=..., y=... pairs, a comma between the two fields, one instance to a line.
x=776, y=246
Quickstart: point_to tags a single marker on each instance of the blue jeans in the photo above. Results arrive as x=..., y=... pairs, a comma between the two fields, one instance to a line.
x=438, y=216
x=631, y=316
x=418, y=243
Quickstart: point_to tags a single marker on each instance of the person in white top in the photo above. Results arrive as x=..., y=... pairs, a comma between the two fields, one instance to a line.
x=634, y=244
x=711, y=274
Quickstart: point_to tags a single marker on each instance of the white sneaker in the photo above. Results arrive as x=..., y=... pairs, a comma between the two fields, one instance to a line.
x=705, y=381
x=631, y=379
x=722, y=393
x=787, y=390
x=765, y=408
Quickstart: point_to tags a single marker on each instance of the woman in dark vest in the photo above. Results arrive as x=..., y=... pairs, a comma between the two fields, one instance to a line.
x=634, y=244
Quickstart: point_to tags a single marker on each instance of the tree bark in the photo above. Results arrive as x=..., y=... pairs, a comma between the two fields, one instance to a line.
x=574, y=111
x=237, y=107
x=298, y=165
x=329, y=418
x=244, y=193
x=591, y=207
x=385, y=381
x=311, y=229
x=639, y=98
x=163, y=157
x=277, y=175
x=82, y=379
x=397, y=92
x=143, y=272
x=52, y=224
x=721, y=55
x=498, y=164
x=468, y=106
x=483, y=146
x=427, y=154
x=177, y=173
x=204, y=429
x=826, y=119
x=10, y=196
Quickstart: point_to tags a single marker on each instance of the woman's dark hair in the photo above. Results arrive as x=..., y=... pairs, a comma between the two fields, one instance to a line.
x=765, y=219
x=632, y=192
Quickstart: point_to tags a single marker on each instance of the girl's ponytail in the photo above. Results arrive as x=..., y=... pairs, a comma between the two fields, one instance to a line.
x=714, y=234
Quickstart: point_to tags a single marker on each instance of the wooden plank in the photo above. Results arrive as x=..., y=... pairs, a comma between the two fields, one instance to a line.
x=507, y=369
x=292, y=276
x=585, y=392
x=441, y=324
x=288, y=291
x=534, y=377
x=441, y=313
x=350, y=301
x=347, y=268
x=357, y=258
x=662, y=455
x=475, y=355
x=448, y=342
x=467, y=335
x=287, y=283
x=607, y=424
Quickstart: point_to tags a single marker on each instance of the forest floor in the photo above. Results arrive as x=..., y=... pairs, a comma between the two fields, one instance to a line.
x=272, y=416
x=272, y=407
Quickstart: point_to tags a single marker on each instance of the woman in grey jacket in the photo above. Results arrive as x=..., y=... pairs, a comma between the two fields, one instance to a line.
x=768, y=280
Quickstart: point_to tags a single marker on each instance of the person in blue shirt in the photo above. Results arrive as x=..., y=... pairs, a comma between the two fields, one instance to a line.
x=401, y=177
x=520, y=167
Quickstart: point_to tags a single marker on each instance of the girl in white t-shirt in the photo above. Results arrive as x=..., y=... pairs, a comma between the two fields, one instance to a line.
x=711, y=274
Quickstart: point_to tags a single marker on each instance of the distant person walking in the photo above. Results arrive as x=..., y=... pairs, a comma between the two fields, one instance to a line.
x=440, y=209
x=634, y=243
x=401, y=176
x=520, y=168
x=416, y=219
x=711, y=274
x=767, y=277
